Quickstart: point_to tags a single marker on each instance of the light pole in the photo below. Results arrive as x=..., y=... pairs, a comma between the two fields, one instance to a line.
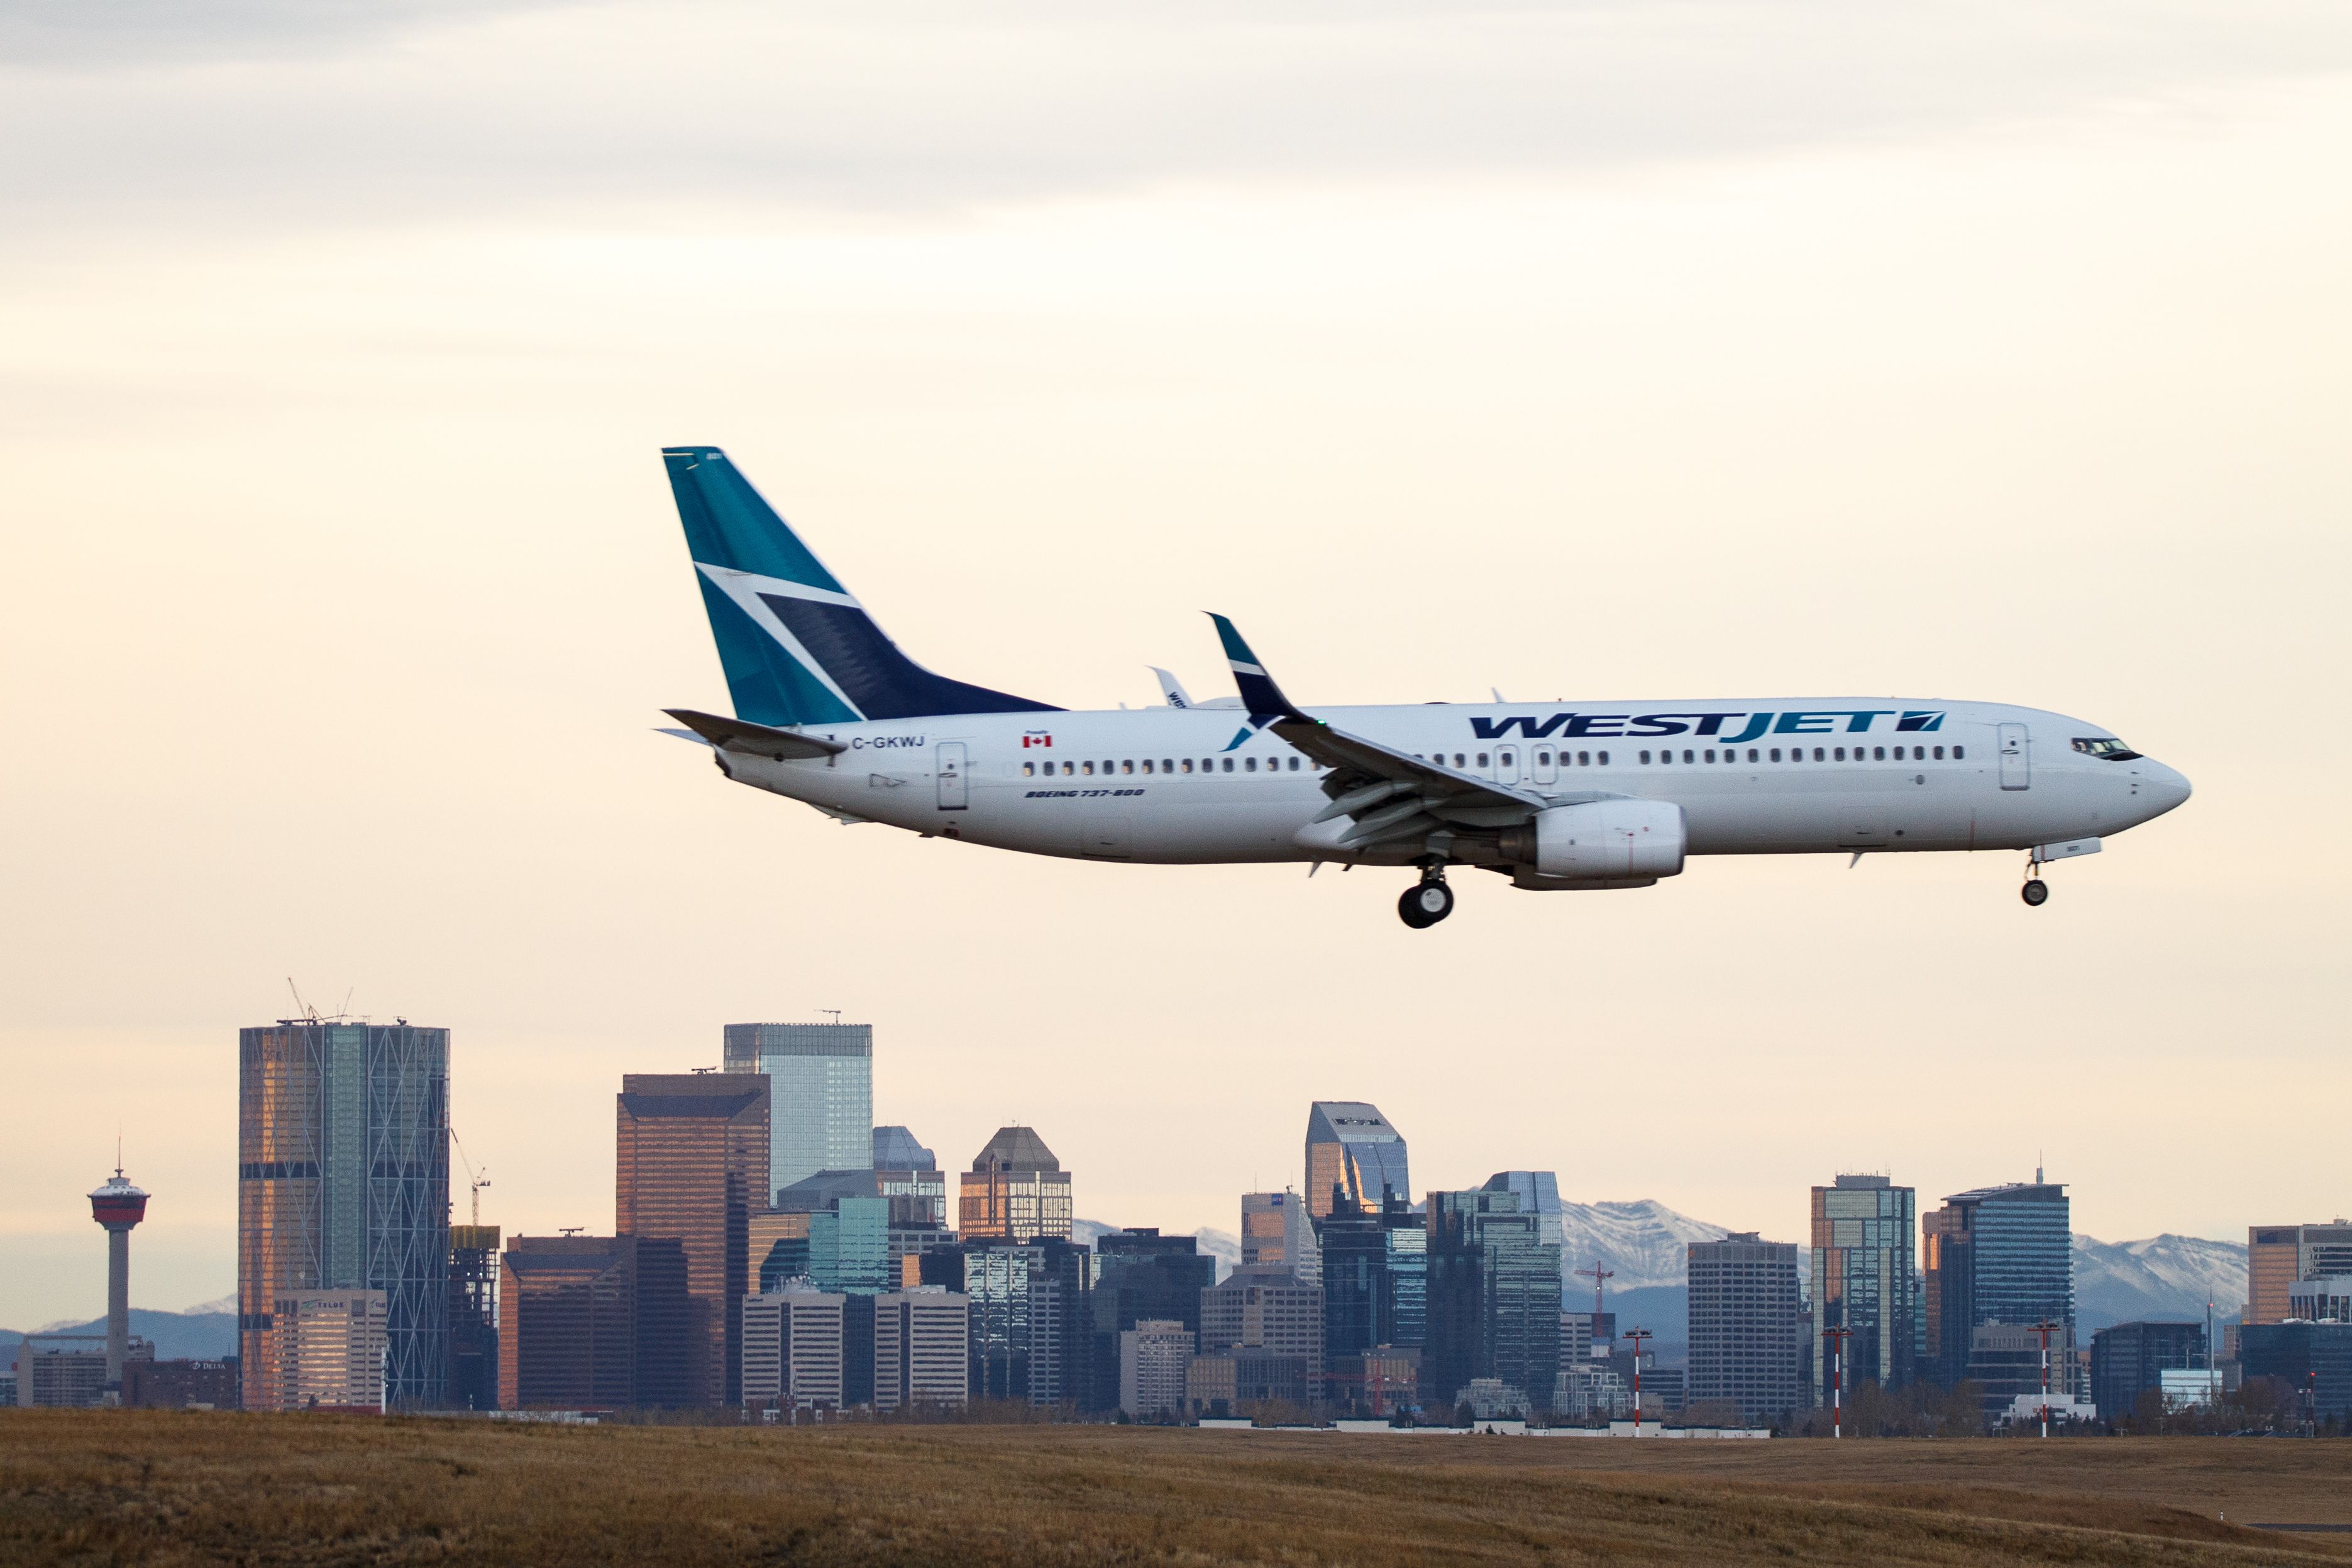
x=2044, y=1329
x=1637, y=1336
x=1837, y=1339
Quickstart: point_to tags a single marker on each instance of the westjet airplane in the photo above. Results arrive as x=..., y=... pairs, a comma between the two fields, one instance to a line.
x=1583, y=795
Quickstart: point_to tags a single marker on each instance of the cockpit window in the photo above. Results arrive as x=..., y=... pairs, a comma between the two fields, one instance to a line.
x=2106, y=750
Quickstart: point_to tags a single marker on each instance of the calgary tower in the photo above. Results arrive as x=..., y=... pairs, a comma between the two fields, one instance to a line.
x=117, y=1205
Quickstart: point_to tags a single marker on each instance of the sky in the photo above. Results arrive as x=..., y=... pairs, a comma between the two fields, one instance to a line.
x=1596, y=350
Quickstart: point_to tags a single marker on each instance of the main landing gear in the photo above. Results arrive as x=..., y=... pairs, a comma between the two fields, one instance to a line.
x=2036, y=891
x=1428, y=901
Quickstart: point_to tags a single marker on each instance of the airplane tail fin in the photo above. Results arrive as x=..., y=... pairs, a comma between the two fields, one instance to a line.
x=797, y=646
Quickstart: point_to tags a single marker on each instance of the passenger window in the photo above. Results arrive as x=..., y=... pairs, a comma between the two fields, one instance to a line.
x=1839, y=755
x=1147, y=764
x=1940, y=753
x=1543, y=759
x=1880, y=753
x=1584, y=759
x=1482, y=759
x=1752, y=753
x=1229, y=765
x=1710, y=755
x=1128, y=766
x=1690, y=756
x=1776, y=754
x=1088, y=768
x=1959, y=752
x=1457, y=760
x=1818, y=756
x=1293, y=764
x=1506, y=759
x=1188, y=765
x=1919, y=753
x=1646, y=758
x=1604, y=759
x=1028, y=770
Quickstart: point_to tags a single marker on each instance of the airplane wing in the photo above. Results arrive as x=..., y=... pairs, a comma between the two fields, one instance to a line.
x=760, y=740
x=1386, y=794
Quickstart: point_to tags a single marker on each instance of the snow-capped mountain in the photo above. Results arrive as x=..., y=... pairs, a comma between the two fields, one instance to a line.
x=1644, y=1241
x=2163, y=1277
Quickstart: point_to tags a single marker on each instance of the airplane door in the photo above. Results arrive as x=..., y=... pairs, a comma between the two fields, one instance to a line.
x=952, y=766
x=2016, y=758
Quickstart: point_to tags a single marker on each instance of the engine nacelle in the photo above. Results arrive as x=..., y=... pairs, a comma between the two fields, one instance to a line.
x=1600, y=841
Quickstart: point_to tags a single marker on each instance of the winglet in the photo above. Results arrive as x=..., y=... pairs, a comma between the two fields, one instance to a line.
x=1259, y=693
x=1172, y=688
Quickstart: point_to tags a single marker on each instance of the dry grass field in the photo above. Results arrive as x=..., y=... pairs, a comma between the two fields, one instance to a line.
x=109, y=1487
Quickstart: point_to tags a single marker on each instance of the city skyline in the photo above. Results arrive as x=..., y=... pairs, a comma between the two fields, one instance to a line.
x=1931, y=356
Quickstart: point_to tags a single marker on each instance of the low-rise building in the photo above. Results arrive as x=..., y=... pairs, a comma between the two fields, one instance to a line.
x=182, y=1384
x=1227, y=1382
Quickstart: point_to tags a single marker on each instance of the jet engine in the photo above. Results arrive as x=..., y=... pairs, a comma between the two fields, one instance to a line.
x=1617, y=843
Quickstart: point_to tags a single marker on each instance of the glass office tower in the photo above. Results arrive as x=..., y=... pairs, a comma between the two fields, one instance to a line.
x=343, y=1184
x=1999, y=1255
x=1352, y=1149
x=1863, y=1246
x=692, y=1164
x=821, y=1112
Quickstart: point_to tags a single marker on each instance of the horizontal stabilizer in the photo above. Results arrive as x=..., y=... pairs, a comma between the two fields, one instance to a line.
x=742, y=735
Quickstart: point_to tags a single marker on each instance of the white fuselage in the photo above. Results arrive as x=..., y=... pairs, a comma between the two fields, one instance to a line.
x=1754, y=776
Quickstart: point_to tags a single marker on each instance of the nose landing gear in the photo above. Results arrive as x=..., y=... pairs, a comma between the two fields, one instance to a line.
x=2035, y=892
x=1428, y=901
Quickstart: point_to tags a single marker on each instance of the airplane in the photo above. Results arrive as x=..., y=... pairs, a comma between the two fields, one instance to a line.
x=1554, y=797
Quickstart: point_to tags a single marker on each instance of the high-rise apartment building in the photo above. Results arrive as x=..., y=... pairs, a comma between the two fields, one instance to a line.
x=1352, y=1150
x=1265, y=1309
x=1744, y=1326
x=1862, y=1279
x=822, y=1111
x=343, y=1185
x=2279, y=1255
x=796, y=1351
x=329, y=1351
x=1153, y=1359
x=691, y=1164
x=1276, y=1229
x=1494, y=1298
x=1031, y=1331
x=1997, y=1255
x=921, y=1349
x=1015, y=1190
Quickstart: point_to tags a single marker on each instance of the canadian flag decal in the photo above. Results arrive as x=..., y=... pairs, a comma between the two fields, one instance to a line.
x=1037, y=737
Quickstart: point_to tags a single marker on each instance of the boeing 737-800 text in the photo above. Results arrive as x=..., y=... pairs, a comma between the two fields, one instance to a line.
x=1554, y=797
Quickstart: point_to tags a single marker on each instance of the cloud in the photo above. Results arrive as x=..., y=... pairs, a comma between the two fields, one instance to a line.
x=425, y=112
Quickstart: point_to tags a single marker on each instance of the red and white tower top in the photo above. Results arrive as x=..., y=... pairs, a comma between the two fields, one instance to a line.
x=117, y=1204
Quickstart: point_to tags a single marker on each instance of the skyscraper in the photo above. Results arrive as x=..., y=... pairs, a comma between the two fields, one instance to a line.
x=1999, y=1255
x=1744, y=1327
x=1538, y=1193
x=1494, y=1298
x=1015, y=1190
x=1352, y=1149
x=692, y=1163
x=1278, y=1230
x=589, y=1321
x=1135, y=1275
x=343, y=1185
x=907, y=1173
x=474, y=1316
x=2279, y=1255
x=1863, y=1280
x=822, y=1109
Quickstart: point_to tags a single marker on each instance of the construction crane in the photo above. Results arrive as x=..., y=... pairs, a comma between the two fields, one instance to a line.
x=1599, y=1275
x=475, y=1179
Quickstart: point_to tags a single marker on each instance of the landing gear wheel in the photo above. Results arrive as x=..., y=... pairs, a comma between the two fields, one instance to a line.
x=2035, y=892
x=1425, y=904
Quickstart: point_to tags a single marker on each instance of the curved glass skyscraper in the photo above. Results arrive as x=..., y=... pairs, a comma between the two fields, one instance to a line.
x=1352, y=1149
